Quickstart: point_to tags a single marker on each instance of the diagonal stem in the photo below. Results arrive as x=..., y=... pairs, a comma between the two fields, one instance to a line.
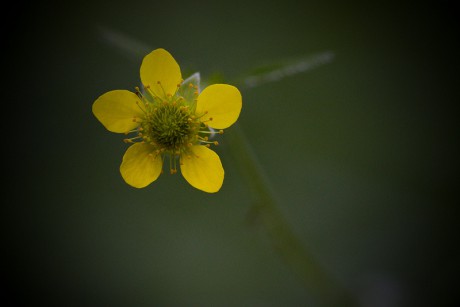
x=323, y=288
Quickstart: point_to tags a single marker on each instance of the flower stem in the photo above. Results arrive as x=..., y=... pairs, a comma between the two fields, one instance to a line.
x=324, y=289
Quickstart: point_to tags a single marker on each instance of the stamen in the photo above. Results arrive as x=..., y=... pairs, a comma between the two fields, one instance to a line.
x=149, y=90
x=172, y=164
x=175, y=164
x=205, y=122
x=133, y=131
x=142, y=109
x=164, y=92
x=138, y=93
x=205, y=142
x=132, y=140
x=137, y=120
x=212, y=132
x=204, y=113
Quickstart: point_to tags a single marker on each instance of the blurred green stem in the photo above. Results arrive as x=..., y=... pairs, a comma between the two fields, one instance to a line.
x=323, y=288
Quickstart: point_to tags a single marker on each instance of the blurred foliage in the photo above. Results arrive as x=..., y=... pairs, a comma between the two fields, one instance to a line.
x=361, y=152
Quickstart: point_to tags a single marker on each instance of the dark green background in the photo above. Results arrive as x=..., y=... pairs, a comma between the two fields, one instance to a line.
x=359, y=152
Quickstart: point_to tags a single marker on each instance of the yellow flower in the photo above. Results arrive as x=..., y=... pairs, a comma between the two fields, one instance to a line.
x=170, y=119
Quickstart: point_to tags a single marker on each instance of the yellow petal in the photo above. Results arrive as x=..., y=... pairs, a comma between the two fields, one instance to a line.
x=160, y=66
x=202, y=169
x=222, y=102
x=117, y=109
x=140, y=166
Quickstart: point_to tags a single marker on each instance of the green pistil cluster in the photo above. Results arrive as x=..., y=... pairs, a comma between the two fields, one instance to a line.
x=170, y=126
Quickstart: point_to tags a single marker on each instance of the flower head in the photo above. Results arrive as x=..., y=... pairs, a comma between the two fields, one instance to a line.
x=170, y=122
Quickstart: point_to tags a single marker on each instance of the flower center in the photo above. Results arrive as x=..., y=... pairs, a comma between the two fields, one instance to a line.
x=170, y=126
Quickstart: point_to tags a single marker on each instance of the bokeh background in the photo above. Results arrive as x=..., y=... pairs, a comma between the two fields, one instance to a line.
x=359, y=152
